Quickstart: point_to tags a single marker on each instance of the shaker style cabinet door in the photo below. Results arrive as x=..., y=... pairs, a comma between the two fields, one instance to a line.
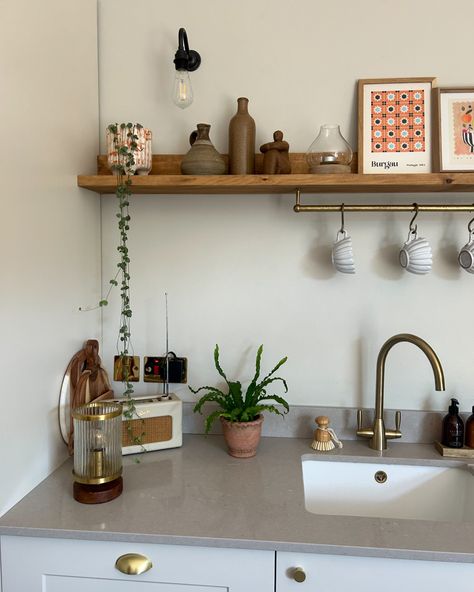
x=31, y=564
x=300, y=572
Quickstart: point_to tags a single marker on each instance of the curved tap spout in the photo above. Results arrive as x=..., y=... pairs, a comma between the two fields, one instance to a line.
x=378, y=434
x=386, y=347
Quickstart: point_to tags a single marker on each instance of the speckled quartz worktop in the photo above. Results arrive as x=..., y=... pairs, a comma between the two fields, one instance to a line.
x=198, y=495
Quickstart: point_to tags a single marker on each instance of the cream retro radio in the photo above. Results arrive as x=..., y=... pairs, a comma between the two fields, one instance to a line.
x=157, y=425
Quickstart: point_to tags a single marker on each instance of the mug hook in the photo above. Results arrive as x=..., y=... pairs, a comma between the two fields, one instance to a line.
x=342, y=219
x=469, y=226
x=413, y=229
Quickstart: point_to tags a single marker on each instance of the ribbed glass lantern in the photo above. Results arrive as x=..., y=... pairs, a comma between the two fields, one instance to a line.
x=329, y=153
x=97, y=451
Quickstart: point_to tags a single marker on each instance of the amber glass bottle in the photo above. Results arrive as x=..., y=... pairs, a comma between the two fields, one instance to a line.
x=453, y=427
x=470, y=430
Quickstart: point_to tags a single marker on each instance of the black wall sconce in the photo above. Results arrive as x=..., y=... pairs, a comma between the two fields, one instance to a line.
x=186, y=60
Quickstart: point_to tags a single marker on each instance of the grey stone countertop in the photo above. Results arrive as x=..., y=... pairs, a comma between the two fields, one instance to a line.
x=198, y=495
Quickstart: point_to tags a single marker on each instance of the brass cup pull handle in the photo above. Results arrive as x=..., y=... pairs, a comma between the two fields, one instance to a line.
x=299, y=575
x=133, y=564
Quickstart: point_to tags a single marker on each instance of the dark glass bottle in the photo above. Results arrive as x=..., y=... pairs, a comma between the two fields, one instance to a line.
x=470, y=430
x=453, y=427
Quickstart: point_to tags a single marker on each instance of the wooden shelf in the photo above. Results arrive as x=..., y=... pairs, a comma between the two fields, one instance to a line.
x=240, y=184
x=164, y=179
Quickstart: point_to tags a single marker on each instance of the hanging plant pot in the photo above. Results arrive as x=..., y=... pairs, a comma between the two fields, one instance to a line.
x=242, y=437
x=119, y=142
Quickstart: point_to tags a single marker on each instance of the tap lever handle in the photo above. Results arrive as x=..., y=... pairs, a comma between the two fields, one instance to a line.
x=359, y=419
x=398, y=420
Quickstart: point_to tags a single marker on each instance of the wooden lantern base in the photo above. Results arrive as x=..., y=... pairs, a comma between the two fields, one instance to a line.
x=97, y=494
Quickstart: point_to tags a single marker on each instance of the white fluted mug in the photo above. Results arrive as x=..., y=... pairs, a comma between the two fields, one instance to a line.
x=342, y=253
x=416, y=255
x=466, y=255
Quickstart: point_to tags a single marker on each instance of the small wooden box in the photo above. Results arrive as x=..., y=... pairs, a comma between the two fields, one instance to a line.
x=158, y=425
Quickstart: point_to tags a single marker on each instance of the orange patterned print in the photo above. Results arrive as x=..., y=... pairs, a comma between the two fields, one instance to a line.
x=397, y=121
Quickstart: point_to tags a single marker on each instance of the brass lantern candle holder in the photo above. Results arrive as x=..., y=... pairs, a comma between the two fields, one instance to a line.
x=97, y=452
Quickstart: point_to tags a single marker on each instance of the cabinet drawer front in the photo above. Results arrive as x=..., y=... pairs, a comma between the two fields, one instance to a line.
x=338, y=573
x=35, y=564
x=73, y=584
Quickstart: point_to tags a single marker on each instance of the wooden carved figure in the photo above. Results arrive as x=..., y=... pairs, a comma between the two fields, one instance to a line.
x=275, y=156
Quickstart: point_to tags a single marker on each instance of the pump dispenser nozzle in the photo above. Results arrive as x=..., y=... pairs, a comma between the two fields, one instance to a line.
x=454, y=407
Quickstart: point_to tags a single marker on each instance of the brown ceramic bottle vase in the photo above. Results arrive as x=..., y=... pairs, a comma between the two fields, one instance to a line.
x=242, y=141
x=202, y=158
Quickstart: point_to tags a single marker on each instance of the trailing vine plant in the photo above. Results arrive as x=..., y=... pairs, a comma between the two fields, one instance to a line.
x=125, y=144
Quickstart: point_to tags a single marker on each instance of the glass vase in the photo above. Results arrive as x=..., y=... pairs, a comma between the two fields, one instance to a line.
x=329, y=153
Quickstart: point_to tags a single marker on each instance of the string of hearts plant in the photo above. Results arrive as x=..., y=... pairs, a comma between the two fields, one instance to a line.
x=123, y=162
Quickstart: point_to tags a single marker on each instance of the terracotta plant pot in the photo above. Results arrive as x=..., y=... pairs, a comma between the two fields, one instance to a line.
x=242, y=438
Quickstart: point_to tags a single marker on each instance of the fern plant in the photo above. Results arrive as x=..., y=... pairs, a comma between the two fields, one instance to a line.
x=235, y=405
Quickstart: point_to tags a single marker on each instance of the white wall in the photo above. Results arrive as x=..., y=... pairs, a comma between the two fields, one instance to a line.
x=50, y=237
x=245, y=270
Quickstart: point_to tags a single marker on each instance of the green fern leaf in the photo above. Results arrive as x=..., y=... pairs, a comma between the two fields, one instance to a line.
x=280, y=363
x=210, y=419
x=217, y=364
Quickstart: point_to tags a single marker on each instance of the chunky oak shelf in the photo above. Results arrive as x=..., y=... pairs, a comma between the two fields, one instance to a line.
x=215, y=184
x=165, y=179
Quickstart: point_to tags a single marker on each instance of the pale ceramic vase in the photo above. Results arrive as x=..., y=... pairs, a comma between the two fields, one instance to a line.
x=142, y=155
x=242, y=438
x=202, y=158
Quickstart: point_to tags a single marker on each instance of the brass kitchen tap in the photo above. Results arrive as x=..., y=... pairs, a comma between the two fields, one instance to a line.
x=377, y=433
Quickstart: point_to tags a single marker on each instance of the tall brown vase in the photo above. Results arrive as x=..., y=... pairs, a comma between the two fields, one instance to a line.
x=242, y=141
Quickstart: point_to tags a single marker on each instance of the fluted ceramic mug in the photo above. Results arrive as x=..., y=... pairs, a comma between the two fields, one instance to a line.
x=466, y=255
x=416, y=255
x=342, y=254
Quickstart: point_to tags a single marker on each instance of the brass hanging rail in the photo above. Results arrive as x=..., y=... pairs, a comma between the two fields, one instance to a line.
x=300, y=208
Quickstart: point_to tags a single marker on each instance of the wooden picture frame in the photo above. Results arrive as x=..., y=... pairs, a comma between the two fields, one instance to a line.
x=454, y=129
x=395, y=125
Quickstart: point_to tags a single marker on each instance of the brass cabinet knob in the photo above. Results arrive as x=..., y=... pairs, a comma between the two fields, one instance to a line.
x=299, y=575
x=133, y=564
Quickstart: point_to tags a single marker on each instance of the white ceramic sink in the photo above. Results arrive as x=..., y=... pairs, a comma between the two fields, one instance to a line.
x=440, y=493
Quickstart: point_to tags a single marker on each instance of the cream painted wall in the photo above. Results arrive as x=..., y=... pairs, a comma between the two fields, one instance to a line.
x=50, y=238
x=245, y=270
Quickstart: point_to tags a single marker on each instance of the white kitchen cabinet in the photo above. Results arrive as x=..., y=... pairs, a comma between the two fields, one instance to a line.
x=31, y=564
x=339, y=573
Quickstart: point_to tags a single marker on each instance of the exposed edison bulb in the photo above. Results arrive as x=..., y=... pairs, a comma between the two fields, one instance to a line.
x=99, y=439
x=182, y=90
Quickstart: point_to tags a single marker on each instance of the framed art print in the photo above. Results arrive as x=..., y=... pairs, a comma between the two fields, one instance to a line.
x=395, y=125
x=455, y=121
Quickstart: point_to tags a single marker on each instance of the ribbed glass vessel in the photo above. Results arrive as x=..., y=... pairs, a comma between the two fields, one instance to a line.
x=97, y=442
